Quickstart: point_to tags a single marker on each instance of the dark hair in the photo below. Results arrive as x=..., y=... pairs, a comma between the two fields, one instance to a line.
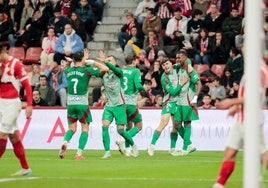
x=130, y=58
x=43, y=76
x=152, y=11
x=235, y=50
x=165, y=59
x=196, y=12
x=183, y=52
x=78, y=56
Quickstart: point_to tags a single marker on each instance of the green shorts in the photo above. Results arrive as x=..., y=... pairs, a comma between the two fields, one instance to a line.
x=78, y=112
x=186, y=113
x=116, y=112
x=169, y=108
x=133, y=113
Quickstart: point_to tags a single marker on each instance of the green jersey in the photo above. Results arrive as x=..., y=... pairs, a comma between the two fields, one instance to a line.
x=112, y=86
x=168, y=81
x=77, y=84
x=188, y=91
x=131, y=84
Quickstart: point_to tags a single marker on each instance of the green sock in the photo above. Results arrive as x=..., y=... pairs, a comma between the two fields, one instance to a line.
x=68, y=135
x=126, y=136
x=155, y=137
x=180, y=130
x=133, y=131
x=173, y=139
x=187, y=136
x=106, y=138
x=83, y=140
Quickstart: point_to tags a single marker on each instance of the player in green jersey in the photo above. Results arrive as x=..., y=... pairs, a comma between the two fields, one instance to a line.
x=77, y=100
x=115, y=106
x=186, y=110
x=131, y=86
x=171, y=87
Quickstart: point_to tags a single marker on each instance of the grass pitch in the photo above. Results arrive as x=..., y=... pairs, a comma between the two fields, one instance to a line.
x=197, y=170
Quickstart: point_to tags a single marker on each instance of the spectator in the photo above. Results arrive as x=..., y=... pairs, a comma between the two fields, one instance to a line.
x=152, y=22
x=125, y=31
x=148, y=92
x=143, y=99
x=84, y=10
x=58, y=21
x=14, y=10
x=201, y=5
x=152, y=44
x=143, y=64
x=206, y=103
x=78, y=25
x=164, y=11
x=98, y=7
x=227, y=80
x=67, y=6
x=57, y=80
x=220, y=49
x=37, y=100
x=27, y=13
x=142, y=7
x=47, y=92
x=220, y=5
x=161, y=55
x=154, y=75
x=202, y=48
x=6, y=29
x=240, y=4
x=235, y=63
x=185, y=5
x=34, y=75
x=203, y=91
x=67, y=44
x=134, y=43
x=233, y=93
x=216, y=90
x=48, y=46
x=213, y=20
x=158, y=100
x=194, y=25
x=232, y=26
x=34, y=28
x=102, y=99
x=176, y=29
x=46, y=9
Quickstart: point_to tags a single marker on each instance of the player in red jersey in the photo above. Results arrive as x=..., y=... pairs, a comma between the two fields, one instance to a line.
x=12, y=74
x=236, y=134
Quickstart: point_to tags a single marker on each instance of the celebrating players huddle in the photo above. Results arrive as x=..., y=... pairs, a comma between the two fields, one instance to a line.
x=121, y=86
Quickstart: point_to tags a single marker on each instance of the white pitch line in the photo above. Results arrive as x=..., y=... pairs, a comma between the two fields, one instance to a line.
x=17, y=179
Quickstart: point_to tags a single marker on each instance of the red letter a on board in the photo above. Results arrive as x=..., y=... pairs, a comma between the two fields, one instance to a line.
x=54, y=133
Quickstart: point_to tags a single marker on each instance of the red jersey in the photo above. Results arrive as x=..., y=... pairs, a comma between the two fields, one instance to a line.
x=241, y=91
x=13, y=74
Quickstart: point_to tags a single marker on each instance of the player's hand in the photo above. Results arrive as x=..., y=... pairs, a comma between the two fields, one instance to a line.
x=102, y=56
x=86, y=53
x=184, y=80
x=28, y=111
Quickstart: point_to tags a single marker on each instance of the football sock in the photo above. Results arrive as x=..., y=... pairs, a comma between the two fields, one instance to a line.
x=126, y=136
x=226, y=170
x=173, y=139
x=106, y=138
x=187, y=136
x=68, y=135
x=133, y=131
x=180, y=130
x=3, y=145
x=79, y=152
x=155, y=137
x=83, y=140
x=20, y=154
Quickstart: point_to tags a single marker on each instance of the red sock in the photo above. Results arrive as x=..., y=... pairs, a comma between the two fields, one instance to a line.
x=20, y=153
x=3, y=145
x=226, y=170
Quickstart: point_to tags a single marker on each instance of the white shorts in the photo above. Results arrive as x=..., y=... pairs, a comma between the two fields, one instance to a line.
x=9, y=112
x=236, y=135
